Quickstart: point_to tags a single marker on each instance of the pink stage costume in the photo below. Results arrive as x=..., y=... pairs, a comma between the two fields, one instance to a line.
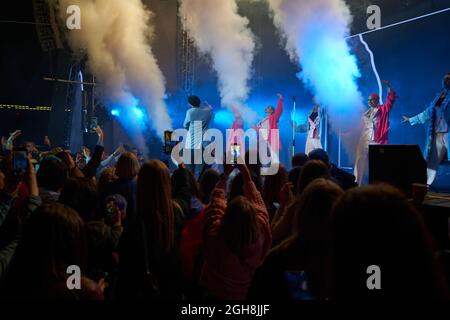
x=375, y=131
x=265, y=128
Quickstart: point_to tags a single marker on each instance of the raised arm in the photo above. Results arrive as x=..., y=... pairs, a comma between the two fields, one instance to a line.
x=216, y=209
x=90, y=169
x=421, y=118
x=10, y=142
x=187, y=120
x=391, y=97
x=252, y=194
x=113, y=158
x=279, y=110
x=282, y=221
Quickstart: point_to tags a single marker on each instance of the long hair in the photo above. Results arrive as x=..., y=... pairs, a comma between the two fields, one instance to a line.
x=107, y=176
x=193, y=184
x=313, y=169
x=127, y=166
x=273, y=184
x=53, y=239
x=237, y=185
x=314, y=209
x=312, y=231
x=376, y=225
x=208, y=181
x=81, y=195
x=240, y=226
x=154, y=203
x=271, y=189
x=316, y=108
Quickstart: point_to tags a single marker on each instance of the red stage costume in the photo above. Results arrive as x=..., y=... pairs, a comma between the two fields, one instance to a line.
x=375, y=131
x=382, y=126
x=271, y=123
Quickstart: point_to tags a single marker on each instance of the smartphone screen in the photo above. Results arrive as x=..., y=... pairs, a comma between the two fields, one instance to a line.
x=298, y=285
x=20, y=160
x=94, y=124
x=235, y=152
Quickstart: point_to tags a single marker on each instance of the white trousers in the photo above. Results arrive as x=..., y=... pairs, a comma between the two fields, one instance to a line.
x=312, y=144
x=438, y=152
x=362, y=162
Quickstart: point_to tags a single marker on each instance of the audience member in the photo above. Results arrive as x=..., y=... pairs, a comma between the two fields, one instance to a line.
x=298, y=268
x=236, y=239
x=377, y=234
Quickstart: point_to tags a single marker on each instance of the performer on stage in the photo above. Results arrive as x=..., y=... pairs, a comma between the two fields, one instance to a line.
x=197, y=122
x=270, y=123
x=375, y=130
x=314, y=123
x=238, y=124
x=438, y=116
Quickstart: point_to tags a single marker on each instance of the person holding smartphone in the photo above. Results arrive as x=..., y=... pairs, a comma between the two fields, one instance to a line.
x=236, y=238
x=10, y=180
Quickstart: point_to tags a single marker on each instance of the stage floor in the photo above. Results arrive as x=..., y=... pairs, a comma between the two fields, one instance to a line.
x=438, y=199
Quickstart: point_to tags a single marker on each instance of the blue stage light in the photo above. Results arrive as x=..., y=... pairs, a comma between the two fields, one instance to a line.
x=138, y=113
x=224, y=118
x=115, y=112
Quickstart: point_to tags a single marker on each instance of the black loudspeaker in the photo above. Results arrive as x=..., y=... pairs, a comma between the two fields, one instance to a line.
x=399, y=165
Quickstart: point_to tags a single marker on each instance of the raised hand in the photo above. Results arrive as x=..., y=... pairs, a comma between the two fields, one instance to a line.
x=244, y=171
x=386, y=82
x=119, y=151
x=227, y=169
x=47, y=141
x=30, y=179
x=12, y=137
x=206, y=103
x=99, y=130
x=100, y=134
x=86, y=152
x=280, y=96
x=15, y=134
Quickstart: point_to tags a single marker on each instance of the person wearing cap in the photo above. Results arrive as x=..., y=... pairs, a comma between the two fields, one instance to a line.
x=437, y=115
x=196, y=122
x=116, y=208
x=375, y=129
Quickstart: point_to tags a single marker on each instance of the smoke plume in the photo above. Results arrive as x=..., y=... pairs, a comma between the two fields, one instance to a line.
x=315, y=32
x=220, y=32
x=115, y=35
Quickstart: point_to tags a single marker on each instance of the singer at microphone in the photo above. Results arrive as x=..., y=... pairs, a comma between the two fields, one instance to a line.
x=438, y=117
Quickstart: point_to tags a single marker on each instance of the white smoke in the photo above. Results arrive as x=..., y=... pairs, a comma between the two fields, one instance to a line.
x=315, y=32
x=115, y=35
x=220, y=32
